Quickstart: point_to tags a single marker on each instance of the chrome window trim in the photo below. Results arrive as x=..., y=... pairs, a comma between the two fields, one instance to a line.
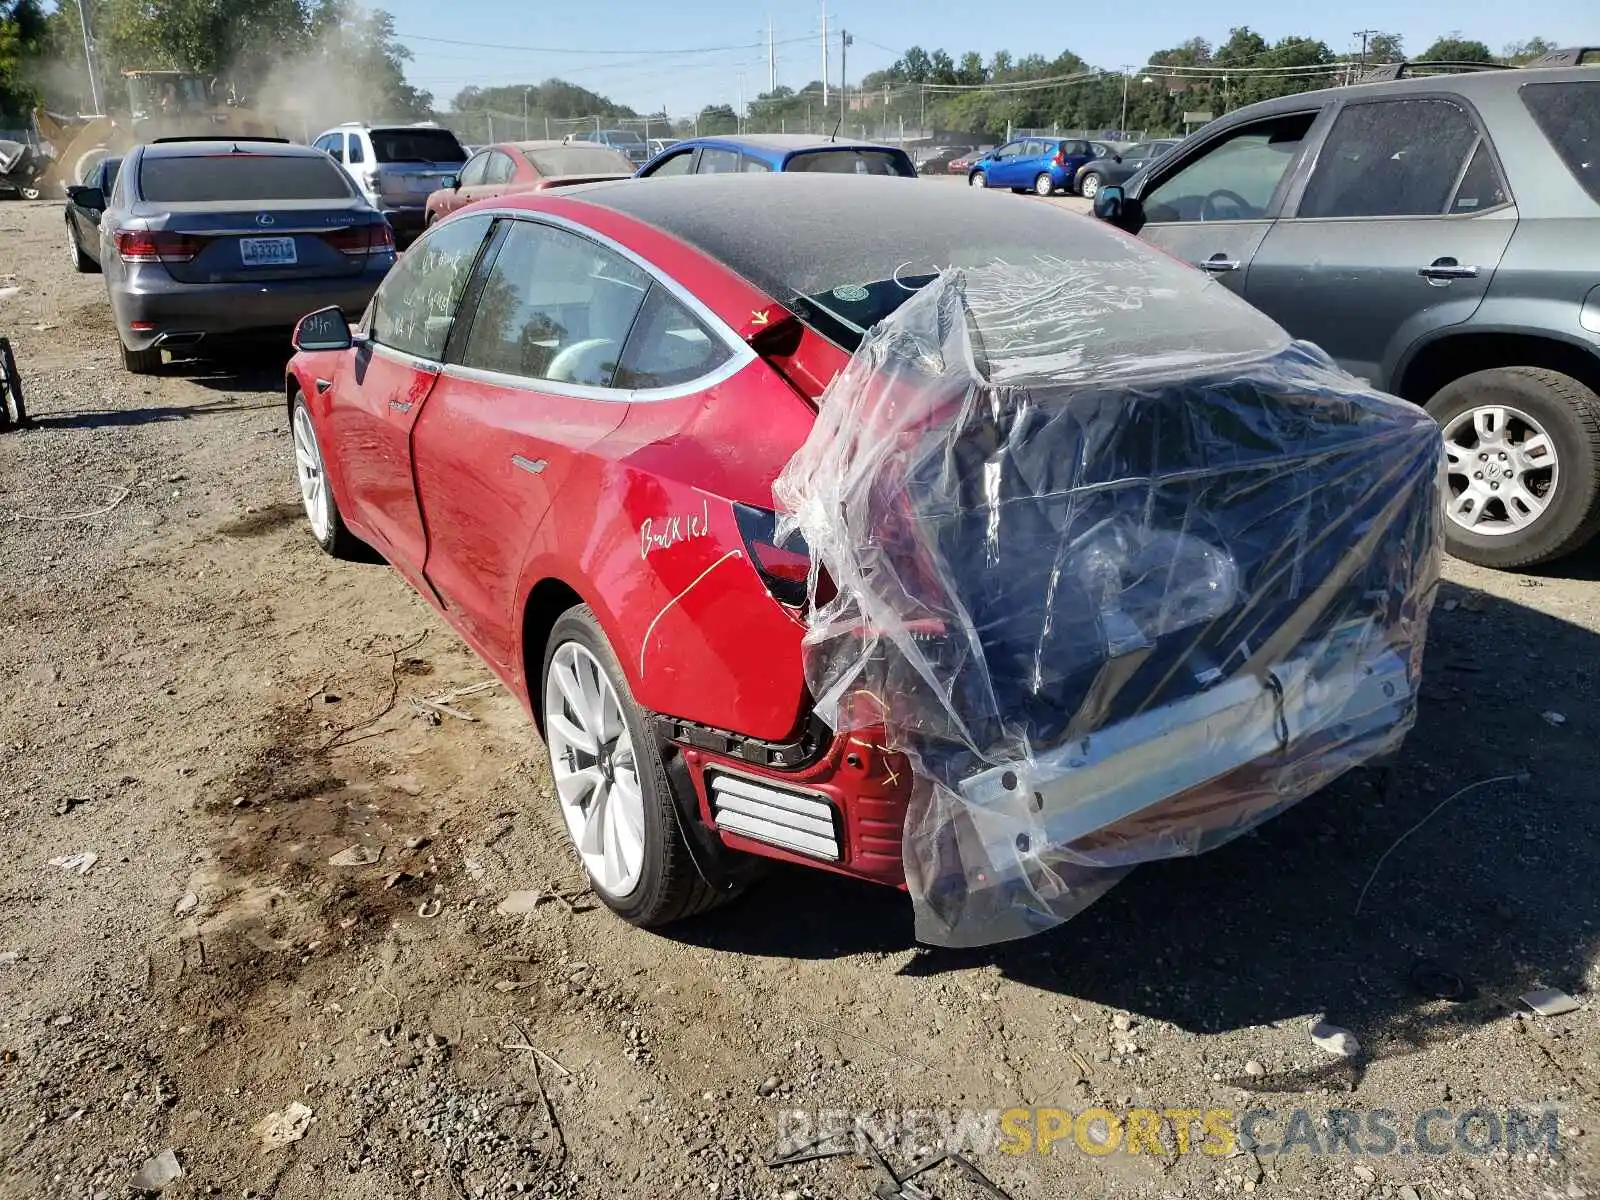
x=741, y=355
x=428, y=365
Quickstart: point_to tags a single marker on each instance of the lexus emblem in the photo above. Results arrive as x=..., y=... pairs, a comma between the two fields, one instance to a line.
x=263, y=218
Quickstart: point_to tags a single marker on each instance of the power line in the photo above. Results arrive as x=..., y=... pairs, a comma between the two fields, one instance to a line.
x=417, y=37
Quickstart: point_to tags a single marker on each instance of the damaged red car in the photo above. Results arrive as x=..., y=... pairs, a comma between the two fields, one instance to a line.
x=1074, y=561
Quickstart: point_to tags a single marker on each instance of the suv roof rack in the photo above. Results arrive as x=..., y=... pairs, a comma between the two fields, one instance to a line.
x=1400, y=70
x=1571, y=56
x=219, y=137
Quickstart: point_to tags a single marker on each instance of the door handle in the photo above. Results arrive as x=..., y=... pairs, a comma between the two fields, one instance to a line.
x=1446, y=269
x=1219, y=262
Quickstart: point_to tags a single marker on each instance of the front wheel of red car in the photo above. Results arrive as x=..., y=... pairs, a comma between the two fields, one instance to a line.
x=322, y=511
x=611, y=783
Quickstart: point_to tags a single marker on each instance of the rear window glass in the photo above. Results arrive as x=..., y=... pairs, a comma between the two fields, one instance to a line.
x=1569, y=116
x=851, y=162
x=243, y=177
x=416, y=145
x=579, y=160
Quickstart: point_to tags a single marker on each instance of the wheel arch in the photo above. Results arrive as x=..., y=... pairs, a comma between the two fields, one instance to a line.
x=1444, y=359
x=541, y=609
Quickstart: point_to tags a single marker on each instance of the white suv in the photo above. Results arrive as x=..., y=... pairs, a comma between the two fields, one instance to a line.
x=396, y=166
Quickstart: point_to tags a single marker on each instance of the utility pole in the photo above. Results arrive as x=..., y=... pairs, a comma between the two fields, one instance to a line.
x=824, y=55
x=1127, y=76
x=772, y=60
x=844, y=86
x=88, y=62
x=524, y=114
x=738, y=124
x=1363, y=34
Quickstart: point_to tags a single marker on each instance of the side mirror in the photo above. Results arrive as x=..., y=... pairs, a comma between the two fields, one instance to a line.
x=453, y=183
x=1115, y=207
x=88, y=197
x=325, y=329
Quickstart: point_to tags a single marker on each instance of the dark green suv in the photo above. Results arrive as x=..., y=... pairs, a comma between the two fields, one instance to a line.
x=1438, y=235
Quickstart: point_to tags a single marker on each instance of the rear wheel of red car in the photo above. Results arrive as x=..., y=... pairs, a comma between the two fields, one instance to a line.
x=1523, y=450
x=611, y=783
x=322, y=511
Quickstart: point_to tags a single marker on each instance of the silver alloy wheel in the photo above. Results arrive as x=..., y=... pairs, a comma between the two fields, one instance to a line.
x=314, y=492
x=596, y=772
x=1043, y=185
x=978, y=179
x=1503, y=470
x=1090, y=186
x=73, y=252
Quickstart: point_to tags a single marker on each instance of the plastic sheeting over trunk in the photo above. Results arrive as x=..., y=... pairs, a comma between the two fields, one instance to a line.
x=1123, y=571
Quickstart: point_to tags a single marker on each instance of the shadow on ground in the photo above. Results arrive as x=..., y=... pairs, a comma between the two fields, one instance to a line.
x=1498, y=888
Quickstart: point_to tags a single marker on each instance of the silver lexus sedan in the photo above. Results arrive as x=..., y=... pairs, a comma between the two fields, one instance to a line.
x=206, y=240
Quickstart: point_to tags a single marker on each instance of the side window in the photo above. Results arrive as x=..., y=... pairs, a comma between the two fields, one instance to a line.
x=333, y=143
x=555, y=307
x=1481, y=187
x=356, y=153
x=668, y=346
x=1568, y=114
x=500, y=168
x=1009, y=150
x=472, y=174
x=1233, y=179
x=1392, y=158
x=417, y=302
x=1076, y=148
x=717, y=162
x=678, y=164
x=756, y=166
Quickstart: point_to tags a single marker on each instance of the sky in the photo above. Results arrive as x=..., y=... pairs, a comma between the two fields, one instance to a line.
x=683, y=55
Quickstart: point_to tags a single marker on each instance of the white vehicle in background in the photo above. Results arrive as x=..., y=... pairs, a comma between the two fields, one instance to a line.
x=397, y=167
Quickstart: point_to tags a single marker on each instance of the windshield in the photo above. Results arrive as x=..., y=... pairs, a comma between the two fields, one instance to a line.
x=579, y=160
x=850, y=161
x=201, y=179
x=417, y=146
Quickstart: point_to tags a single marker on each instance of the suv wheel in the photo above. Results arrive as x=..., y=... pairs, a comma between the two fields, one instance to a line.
x=611, y=784
x=1523, y=445
x=141, y=362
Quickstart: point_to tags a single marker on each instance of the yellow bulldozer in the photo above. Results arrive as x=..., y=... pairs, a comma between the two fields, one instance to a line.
x=159, y=104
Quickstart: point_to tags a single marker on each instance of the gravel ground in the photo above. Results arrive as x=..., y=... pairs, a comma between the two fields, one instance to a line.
x=190, y=691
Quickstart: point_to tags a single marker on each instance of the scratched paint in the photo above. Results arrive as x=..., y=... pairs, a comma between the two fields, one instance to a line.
x=663, y=533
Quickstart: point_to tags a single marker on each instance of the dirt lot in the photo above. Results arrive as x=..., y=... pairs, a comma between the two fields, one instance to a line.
x=192, y=692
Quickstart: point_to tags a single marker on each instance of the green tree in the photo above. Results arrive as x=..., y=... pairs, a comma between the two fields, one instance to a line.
x=1519, y=53
x=23, y=33
x=1454, y=48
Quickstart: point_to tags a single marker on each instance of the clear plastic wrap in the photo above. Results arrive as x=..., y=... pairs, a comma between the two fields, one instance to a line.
x=1121, y=569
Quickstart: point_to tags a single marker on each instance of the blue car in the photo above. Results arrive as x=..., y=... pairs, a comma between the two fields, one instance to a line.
x=778, y=152
x=1038, y=164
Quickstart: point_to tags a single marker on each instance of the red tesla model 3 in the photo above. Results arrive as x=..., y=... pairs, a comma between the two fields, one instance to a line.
x=561, y=419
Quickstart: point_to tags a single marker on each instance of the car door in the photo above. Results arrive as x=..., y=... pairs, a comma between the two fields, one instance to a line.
x=1214, y=206
x=999, y=166
x=386, y=381
x=471, y=179
x=527, y=391
x=1397, y=232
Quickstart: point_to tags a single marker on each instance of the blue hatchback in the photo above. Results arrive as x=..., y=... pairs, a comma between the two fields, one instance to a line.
x=778, y=152
x=1037, y=164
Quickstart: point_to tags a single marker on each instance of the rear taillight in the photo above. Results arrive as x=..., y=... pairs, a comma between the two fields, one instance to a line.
x=784, y=567
x=1061, y=158
x=147, y=246
x=361, y=239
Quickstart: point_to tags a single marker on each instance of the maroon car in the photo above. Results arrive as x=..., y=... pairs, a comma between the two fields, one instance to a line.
x=510, y=168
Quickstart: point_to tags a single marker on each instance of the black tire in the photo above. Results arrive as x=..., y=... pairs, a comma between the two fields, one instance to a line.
x=671, y=887
x=81, y=262
x=1570, y=414
x=337, y=541
x=29, y=193
x=13, y=410
x=141, y=362
x=1089, y=185
x=978, y=180
x=1043, y=185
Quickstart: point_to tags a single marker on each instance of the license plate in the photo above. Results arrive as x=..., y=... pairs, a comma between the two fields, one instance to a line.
x=268, y=252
